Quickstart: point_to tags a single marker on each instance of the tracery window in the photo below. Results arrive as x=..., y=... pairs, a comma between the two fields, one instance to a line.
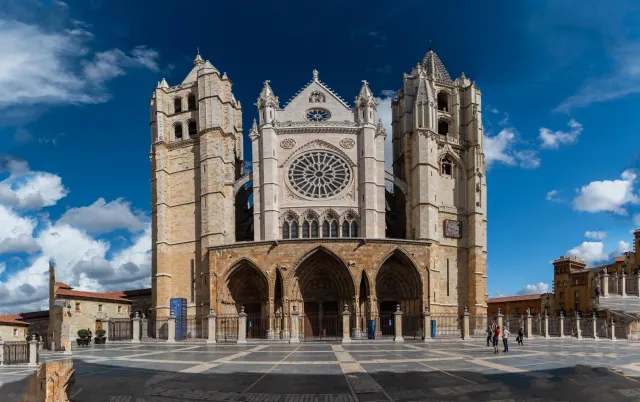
x=314, y=229
x=285, y=230
x=446, y=167
x=443, y=127
x=290, y=226
x=177, y=105
x=345, y=229
x=325, y=229
x=319, y=174
x=354, y=229
x=294, y=230
x=443, y=101
x=330, y=226
x=305, y=230
x=349, y=226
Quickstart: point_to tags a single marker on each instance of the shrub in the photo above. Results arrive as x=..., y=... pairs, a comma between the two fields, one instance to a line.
x=100, y=333
x=83, y=333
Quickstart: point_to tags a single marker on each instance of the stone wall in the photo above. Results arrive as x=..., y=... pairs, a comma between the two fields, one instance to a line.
x=89, y=312
x=13, y=332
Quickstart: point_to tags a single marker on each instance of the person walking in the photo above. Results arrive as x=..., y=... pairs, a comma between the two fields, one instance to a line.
x=505, y=339
x=496, y=336
x=520, y=337
x=489, y=335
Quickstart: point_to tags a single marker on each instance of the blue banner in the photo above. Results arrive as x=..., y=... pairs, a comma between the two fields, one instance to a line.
x=179, y=308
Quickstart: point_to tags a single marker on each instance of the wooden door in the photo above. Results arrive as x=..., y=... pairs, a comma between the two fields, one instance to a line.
x=98, y=325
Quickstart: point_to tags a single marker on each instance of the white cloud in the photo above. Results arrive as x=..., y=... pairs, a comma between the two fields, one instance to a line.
x=595, y=235
x=43, y=67
x=607, y=195
x=500, y=149
x=3, y=267
x=385, y=115
x=589, y=251
x=553, y=196
x=534, y=289
x=622, y=248
x=29, y=189
x=624, y=80
x=636, y=219
x=60, y=3
x=102, y=217
x=553, y=140
x=16, y=232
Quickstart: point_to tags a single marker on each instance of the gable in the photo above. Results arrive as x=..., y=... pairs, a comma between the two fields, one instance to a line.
x=296, y=109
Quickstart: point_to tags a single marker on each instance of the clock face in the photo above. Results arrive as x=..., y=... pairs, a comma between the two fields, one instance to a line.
x=452, y=228
x=318, y=115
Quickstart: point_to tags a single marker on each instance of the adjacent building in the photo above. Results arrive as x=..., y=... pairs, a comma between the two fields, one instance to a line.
x=517, y=305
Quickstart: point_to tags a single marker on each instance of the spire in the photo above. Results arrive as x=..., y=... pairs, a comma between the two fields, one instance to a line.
x=163, y=84
x=435, y=68
x=365, y=96
x=267, y=97
x=380, y=129
x=198, y=60
x=315, y=75
x=254, y=133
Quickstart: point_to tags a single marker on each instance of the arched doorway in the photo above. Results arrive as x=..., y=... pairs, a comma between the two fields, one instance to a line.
x=398, y=283
x=248, y=289
x=324, y=285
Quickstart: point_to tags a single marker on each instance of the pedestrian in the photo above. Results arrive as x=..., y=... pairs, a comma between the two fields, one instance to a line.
x=520, y=338
x=505, y=338
x=489, y=335
x=598, y=294
x=496, y=336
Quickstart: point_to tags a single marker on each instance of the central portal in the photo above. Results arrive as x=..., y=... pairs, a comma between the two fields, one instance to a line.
x=324, y=285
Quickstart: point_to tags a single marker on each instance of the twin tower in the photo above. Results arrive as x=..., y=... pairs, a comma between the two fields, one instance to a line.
x=318, y=190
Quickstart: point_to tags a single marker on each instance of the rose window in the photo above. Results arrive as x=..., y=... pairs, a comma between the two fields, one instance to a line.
x=318, y=115
x=319, y=174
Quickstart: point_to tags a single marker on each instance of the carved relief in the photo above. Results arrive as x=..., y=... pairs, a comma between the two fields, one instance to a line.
x=288, y=143
x=316, y=97
x=347, y=143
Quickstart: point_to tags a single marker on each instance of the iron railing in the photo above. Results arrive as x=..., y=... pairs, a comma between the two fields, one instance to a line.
x=257, y=326
x=359, y=326
x=537, y=326
x=227, y=328
x=321, y=326
x=194, y=327
x=554, y=326
x=412, y=326
x=513, y=323
x=15, y=352
x=120, y=329
x=603, y=328
x=478, y=326
x=631, y=285
x=569, y=328
x=448, y=325
x=620, y=329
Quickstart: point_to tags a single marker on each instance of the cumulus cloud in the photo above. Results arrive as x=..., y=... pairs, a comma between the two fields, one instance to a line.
x=595, y=235
x=608, y=195
x=553, y=196
x=621, y=248
x=102, y=217
x=56, y=67
x=589, y=251
x=500, y=149
x=534, y=289
x=553, y=140
x=16, y=232
x=384, y=114
x=28, y=189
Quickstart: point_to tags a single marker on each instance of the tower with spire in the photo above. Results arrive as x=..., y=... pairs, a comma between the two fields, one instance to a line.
x=438, y=152
x=196, y=157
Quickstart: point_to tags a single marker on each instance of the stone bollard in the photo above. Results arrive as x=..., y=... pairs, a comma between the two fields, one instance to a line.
x=595, y=326
x=295, y=316
x=466, y=336
x=346, y=315
x=638, y=283
x=623, y=285
x=33, y=351
x=136, y=328
x=605, y=283
x=171, y=329
x=242, y=326
x=426, y=325
x=613, y=329
x=578, y=329
x=105, y=327
x=144, y=328
x=561, y=323
x=211, y=325
x=500, y=319
x=397, y=325
x=546, y=325
x=528, y=325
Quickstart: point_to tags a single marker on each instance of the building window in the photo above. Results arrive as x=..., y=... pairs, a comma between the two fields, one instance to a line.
x=119, y=309
x=177, y=131
x=443, y=127
x=314, y=229
x=77, y=306
x=305, y=230
x=193, y=129
x=334, y=229
x=446, y=166
x=15, y=332
x=562, y=295
x=294, y=230
x=100, y=307
x=285, y=230
x=354, y=229
x=517, y=311
x=443, y=101
x=447, y=277
x=345, y=229
x=576, y=294
x=177, y=105
x=192, y=102
x=325, y=229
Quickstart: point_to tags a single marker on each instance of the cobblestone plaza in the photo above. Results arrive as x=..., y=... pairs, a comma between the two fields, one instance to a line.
x=541, y=370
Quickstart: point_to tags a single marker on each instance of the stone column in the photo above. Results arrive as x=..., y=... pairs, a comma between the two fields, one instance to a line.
x=605, y=283
x=638, y=284
x=595, y=326
x=211, y=325
x=500, y=319
x=623, y=284
x=171, y=329
x=561, y=323
x=465, y=325
x=295, y=316
x=578, y=329
x=546, y=325
x=397, y=325
x=271, y=319
x=1, y=352
x=528, y=325
x=278, y=328
x=613, y=329
x=242, y=326
x=144, y=327
x=136, y=329
x=105, y=326
x=426, y=324
x=33, y=351
x=346, y=333
x=356, y=318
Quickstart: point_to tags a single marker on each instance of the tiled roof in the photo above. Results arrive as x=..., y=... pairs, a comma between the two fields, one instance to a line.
x=621, y=258
x=114, y=296
x=514, y=298
x=63, y=285
x=11, y=319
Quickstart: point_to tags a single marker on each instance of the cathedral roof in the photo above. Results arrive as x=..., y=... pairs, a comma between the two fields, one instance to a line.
x=267, y=97
x=198, y=64
x=323, y=86
x=435, y=68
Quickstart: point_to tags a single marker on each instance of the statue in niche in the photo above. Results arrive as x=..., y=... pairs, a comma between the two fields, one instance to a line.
x=316, y=97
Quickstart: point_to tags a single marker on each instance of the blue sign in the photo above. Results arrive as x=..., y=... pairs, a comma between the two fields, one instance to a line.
x=179, y=308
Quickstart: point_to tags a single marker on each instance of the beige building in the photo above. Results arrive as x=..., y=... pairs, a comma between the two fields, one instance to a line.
x=318, y=223
x=12, y=328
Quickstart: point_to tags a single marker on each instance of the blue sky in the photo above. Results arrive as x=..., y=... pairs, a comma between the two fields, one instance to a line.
x=560, y=83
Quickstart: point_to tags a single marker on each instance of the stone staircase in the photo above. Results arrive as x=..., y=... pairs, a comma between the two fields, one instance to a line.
x=627, y=309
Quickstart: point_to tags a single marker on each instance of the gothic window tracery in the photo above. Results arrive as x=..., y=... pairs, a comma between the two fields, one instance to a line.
x=446, y=167
x=316, y=97
x=318, y=115
x=330, y=226
x=319, y=174
x=443, y=101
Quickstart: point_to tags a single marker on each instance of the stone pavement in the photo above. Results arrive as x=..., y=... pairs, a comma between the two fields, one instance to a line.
x=542, y=370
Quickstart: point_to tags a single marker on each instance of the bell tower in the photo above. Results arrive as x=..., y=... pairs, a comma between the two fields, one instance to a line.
x=196, y=154
x=438, y=152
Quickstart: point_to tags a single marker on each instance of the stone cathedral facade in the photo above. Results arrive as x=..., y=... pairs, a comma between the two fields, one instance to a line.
x=318, y=225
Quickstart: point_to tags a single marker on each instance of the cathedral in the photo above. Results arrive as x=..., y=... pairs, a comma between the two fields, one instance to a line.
x=317, y=225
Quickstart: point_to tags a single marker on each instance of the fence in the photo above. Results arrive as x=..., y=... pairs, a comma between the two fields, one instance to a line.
x=603, y=328
x=384, y=325
x=586, y=325
x=448, y=325
x=537, y=326
x=554, y=326
x=120, y=329
x=321, y=326
x=412, y=326
x=227, y=328
x=631, y=285
x=157, y=329
x=569, y=328
x=620, y=330
x=15, y=352
x=478, y=326
x=256, y=326
x=514, y=323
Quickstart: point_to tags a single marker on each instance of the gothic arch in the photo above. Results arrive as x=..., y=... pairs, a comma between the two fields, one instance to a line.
x=399, y=281
x=316, y=145
x=455, y=158
x=245, y=284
